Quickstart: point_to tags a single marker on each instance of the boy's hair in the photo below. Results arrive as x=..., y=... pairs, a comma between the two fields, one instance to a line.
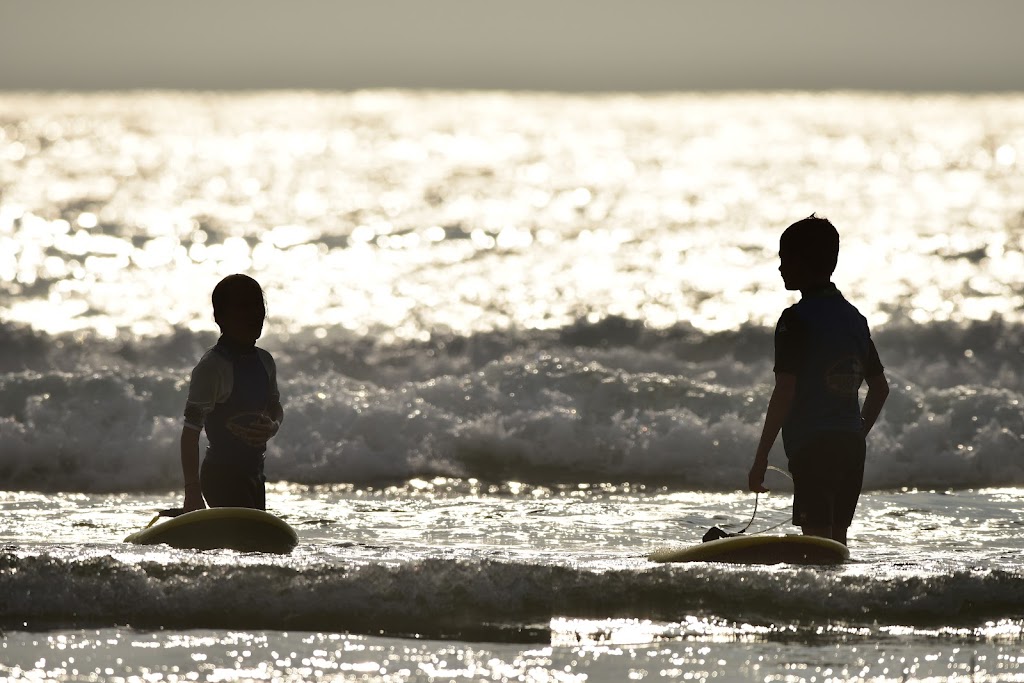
x=237, y=290
x=814, y=241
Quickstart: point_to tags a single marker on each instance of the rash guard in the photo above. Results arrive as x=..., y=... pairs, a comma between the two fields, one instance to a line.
x=824, y=340
x=230, y=387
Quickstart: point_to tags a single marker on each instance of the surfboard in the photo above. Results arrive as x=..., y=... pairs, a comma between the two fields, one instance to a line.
x=790, y=549
x=243, y=529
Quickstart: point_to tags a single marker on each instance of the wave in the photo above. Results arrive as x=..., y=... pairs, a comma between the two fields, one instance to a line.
x=457, y=598
x=611, y=401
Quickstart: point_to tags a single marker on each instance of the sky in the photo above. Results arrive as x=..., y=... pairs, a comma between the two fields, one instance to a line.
x=561, y=45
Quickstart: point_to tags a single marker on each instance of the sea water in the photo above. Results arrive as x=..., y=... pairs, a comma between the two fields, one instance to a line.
x=523, y=340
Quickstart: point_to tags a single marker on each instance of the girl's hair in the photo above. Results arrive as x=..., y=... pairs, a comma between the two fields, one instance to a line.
x=237, y=290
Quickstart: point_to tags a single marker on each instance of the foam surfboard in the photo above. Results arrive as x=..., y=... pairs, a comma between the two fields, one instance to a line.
x=243, y=529
x=791, y=549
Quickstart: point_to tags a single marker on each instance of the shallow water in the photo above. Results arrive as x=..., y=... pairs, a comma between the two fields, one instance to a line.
x=447, y=580
x=443, y=557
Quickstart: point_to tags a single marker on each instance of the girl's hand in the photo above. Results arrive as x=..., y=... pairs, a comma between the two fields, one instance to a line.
x=258, y=432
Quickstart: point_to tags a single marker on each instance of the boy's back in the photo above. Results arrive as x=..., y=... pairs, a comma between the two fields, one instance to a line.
x=824, y=340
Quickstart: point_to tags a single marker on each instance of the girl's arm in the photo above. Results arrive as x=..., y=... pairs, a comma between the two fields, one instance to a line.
x=190, y=469
x=276, y=412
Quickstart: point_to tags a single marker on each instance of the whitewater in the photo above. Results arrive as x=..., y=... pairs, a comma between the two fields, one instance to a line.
x=522, y=341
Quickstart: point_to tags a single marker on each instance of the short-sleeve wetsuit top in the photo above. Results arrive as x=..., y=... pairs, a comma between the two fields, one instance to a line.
x=231, y=386
x=824, y=340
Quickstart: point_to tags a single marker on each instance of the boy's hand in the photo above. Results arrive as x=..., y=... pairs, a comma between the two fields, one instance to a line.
x=755, y=480
x=193, y=498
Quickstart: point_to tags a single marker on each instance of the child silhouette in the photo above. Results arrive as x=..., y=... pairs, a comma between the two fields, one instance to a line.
x=233, y=395
x=823, y=352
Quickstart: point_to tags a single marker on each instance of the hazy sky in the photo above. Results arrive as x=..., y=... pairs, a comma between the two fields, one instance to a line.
x=975, y=45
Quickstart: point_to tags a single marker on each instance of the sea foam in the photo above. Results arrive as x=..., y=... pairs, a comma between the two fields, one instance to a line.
x=604, y=402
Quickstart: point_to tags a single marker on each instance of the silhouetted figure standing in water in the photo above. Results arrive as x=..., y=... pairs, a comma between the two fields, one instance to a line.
x=233, y=395
x=823, y=352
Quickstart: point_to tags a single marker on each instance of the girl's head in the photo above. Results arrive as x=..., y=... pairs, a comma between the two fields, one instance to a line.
x=239, y=308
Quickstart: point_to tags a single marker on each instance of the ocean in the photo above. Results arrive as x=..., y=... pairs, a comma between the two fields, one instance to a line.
x=523, y=340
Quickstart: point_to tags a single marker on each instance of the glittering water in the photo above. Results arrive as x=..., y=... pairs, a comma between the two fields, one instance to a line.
x=406, y=214
x=523, y=340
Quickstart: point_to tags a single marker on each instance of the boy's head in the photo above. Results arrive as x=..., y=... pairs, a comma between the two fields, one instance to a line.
x=808, y=251
x=239, y=308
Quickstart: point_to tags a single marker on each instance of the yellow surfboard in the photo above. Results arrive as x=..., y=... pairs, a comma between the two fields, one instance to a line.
x=791, y=549
x=243, y=529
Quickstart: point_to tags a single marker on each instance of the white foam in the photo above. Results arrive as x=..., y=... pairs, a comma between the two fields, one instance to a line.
x=668, y=408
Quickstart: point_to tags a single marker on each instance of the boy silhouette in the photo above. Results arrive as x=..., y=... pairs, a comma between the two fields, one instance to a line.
x=823, y=352
x=233, y=395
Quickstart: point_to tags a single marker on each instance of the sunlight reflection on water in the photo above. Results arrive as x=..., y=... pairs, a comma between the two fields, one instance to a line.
x=411, y=213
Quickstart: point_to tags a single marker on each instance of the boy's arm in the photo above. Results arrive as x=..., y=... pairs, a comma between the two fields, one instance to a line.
x=778, y=410
x=878, y=391
x=190, y=469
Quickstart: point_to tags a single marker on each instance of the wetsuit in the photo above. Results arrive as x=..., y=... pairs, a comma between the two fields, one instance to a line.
x=231, y=386
x=825, y=341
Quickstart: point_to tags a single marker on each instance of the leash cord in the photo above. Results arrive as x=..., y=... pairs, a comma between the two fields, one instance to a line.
x=757, y=497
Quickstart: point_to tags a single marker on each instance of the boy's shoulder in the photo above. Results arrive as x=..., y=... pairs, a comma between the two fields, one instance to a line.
x=826, y=300
x=818, y=311
x=790, y=321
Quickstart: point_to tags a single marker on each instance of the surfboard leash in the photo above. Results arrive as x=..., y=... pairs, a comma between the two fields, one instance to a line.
x=776, y=526
x=757, y=497
x=171, y=512
x=715, y=532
